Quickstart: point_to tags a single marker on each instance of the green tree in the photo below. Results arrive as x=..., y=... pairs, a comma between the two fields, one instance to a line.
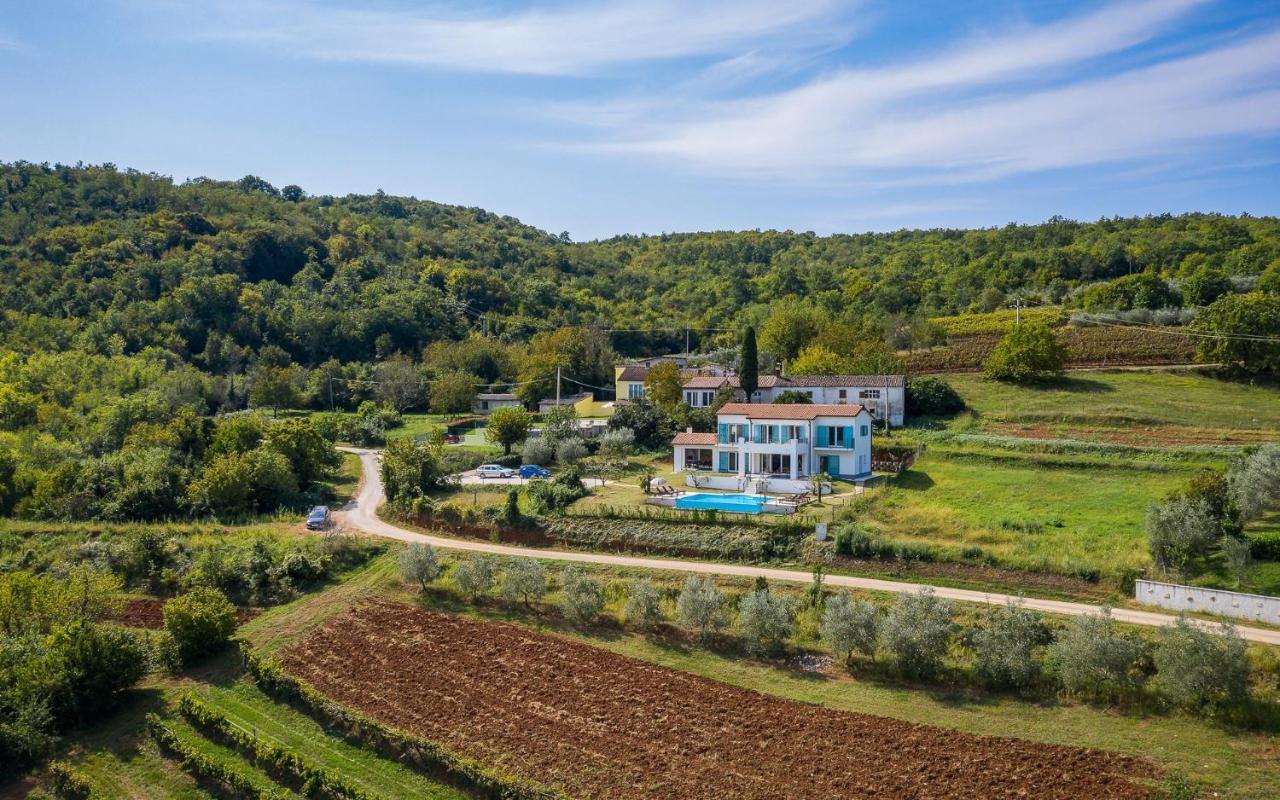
x=419, y=564
x=1179, y=530
x=453, y=392
x=849, y=626
x=409, y=469
x=1003, y=647
x=791, y=325
x=701, y=606
x=764, y=621
x=749, y=364
x=581, y=598
x=815, y=359
x=524, y=580
x=508, y=426
x=200, y=621
x=916, y=632
x=1196, y=668
x=275, y=388
x=643, y=609
x=399, y=383
x=224, y=486
x=1245, y=332
x=475, y=576
x=1090, y=655
x=310, y=455
x=1029, y=352
x=1204, y=286
x=664, y=386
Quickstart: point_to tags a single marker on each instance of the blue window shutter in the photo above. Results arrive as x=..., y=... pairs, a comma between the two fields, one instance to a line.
x=864, y=430
x=723, y=435
x=848, y=436
x=724, y=461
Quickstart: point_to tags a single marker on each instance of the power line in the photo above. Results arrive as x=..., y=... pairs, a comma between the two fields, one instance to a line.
x=1243, y=337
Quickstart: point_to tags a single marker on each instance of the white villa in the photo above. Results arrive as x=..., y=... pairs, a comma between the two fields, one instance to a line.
x=782, y=440
x=882, y=395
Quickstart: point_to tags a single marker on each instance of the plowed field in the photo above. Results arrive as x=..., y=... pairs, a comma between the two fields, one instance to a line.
x=597, y=724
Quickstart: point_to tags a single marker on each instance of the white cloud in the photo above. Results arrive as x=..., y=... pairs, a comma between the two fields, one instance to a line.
x=996, y=106
x=565, y=39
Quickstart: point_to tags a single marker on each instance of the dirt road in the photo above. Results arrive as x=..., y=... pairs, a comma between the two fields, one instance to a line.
x=362, y=514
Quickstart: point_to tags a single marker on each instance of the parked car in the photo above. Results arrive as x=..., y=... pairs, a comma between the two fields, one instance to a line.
x=534, y=471
x=318, y=518
x=452, y=438
x=495, y=471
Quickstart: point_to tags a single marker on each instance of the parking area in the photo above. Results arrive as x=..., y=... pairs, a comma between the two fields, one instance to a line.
x=471, y=478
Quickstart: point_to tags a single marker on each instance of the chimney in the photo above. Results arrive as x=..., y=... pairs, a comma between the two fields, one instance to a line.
x=689, y=429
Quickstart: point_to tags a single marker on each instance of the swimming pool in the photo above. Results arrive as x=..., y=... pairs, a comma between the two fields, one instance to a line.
x=741, y=503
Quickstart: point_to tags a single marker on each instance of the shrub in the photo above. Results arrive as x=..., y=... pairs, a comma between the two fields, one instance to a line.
x=1265, y=546
x=1089, y=656
x=1179, y=530
x=849, y=626
x=475, y=576
x=570, y=451
x=1003, y=649
x=538, y=451
x=557, y=493
x=932, y=397
x=581, y=598
x=1198, y=669
x=511, y=508
x=701, y=606
x=419, y=564
x=618, y=443
x=524, y=579
x=643, y=607
x=1029, y=352
x=200, y=621
x=67, y=782
x=764, y=621
x=916, y=632
x=163, y=655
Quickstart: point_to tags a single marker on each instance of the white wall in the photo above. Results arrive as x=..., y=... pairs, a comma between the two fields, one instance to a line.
x=1256, y=607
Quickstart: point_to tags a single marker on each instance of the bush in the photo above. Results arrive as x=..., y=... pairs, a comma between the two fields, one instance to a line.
x=419, y=564
x=1237, y=556
x=701, y=606
x=557, y=493
x=524, y=579
x=67, y=782
x=581, y=598
x=570, y=451
x=916, y=632
x=475, y=576
x=764, y=621
x=1029, y=352
x=1089, y=656
x=643, y=607
x=1265, y=546
x=849, y=626
x=1197, y=669
x=163, y=655
x=618, y=443
x=932, y=397
x=1003, y=649
x=538, y=451
x=200, y=621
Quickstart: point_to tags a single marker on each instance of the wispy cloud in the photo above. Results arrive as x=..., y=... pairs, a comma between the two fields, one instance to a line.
x=8, y=43
x=566, y=39
x=1003, y=104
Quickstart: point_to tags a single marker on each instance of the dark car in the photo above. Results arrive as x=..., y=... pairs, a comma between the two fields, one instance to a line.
x=318, y=518
x=534, y=471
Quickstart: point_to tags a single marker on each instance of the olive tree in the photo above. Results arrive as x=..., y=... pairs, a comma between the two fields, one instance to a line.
x=1090, y=656
x=701, y=606
x=1236, y=555
x=1254, y=481
x=916, y=632
x=1198, y=668
x=643, y=607
x=581, y=598
x=524, y=580
x=764, y=621
x=475, y=576
x=1004, y=648
x=849, y=626
x=1179, y=530
x=570, y=451
x=420, y=564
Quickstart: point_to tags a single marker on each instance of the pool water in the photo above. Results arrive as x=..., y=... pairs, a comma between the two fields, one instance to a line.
x=741, y=503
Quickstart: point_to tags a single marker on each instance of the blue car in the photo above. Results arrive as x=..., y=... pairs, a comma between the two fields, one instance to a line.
x=533, y=471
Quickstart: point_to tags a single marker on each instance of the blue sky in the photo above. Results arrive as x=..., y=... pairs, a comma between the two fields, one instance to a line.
x=660, y=115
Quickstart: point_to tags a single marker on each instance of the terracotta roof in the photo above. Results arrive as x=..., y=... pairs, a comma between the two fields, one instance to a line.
x=709, y=382
x=684, y=437
x=789, y=410
x=632, y=372
x=837, y=381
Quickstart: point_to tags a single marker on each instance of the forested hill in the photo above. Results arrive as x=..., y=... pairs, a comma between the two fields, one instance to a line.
x=115, y=261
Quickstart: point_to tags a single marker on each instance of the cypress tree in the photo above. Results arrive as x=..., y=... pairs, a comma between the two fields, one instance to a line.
x=749, y=369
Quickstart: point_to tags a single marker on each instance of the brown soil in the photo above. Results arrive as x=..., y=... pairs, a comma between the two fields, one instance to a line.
x=597, y=724
x=148, y=612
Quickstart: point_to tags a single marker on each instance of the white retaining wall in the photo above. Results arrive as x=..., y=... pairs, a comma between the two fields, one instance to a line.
x=1255, y=607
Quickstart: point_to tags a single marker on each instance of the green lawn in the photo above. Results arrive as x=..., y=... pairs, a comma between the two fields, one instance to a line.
x=1130, y=398
x=1026, y=514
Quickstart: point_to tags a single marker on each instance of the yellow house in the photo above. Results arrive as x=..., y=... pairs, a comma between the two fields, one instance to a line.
x=628, y=381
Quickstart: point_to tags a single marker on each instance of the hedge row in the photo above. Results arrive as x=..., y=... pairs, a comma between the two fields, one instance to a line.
x=1266, y=546
x=205, y=768
x=278, y=761
x=733, y=542
x=422, y=754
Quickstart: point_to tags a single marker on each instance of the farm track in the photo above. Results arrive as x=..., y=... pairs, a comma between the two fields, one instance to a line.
x=602, y=725
x=362, y=514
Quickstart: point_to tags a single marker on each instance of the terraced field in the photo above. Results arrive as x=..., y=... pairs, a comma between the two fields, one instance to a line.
x=597, y=724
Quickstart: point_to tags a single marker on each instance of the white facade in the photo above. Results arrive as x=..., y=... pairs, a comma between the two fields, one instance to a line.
x=884, y=396
x=792, y=441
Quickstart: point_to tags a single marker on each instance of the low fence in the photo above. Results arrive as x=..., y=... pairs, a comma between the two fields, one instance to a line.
x=1175, y=597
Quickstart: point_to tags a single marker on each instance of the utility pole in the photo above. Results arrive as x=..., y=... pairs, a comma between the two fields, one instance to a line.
x=557, y=386
x=331, y=393
x=1017, y=315
x=686, y=340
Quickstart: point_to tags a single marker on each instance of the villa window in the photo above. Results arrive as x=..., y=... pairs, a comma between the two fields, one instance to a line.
x=869, y=394
x=635, y=391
